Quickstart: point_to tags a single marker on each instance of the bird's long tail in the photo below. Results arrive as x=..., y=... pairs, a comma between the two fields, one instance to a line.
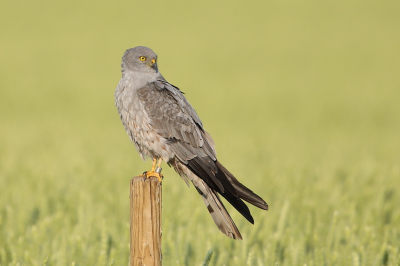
x=242, y=191
x=233, y=192
x=217, y=210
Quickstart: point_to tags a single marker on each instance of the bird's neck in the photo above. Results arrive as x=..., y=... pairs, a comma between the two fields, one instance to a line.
x=139, y=79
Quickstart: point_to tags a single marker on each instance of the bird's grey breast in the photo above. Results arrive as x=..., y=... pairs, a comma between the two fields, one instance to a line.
x=126, y=98
x=133, y=114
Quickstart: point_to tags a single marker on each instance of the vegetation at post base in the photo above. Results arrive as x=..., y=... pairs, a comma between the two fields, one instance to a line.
x=301, y=98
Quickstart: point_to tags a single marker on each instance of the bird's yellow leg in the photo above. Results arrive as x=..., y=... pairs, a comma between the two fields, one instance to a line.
x=153, y=167
x=155, y=171
x=159, y=164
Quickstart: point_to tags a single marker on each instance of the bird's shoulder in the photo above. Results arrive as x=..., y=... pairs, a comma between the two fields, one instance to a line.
x=170, y=113
x=162, y=97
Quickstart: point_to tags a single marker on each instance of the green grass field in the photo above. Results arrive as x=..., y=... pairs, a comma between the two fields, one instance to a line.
x=301, y=97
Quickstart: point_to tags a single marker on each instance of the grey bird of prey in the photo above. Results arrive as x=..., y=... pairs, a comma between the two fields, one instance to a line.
x=165, y=127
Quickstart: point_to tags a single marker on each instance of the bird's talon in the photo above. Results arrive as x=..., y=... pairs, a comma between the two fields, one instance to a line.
x=149, y=174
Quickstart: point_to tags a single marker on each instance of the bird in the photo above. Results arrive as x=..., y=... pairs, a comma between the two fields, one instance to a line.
x=163, y=126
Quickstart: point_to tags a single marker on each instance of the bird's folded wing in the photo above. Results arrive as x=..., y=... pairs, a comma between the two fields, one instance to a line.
x=175, y=120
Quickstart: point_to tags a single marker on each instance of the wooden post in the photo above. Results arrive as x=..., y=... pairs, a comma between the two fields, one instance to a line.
x=145, y=216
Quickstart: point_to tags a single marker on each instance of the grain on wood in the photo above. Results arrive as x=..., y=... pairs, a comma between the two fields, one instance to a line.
x=145, y=216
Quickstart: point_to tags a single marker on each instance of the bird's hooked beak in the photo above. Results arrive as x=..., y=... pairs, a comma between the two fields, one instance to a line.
x=153, y=65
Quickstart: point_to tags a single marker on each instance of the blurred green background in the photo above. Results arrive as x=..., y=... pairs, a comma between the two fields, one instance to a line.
x=301, y=98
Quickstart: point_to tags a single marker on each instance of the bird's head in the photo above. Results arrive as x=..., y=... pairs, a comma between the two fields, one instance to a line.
x=140, y=59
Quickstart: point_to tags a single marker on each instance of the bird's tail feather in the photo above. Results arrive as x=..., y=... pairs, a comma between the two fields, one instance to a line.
x=232, y=190
x=217, y=210
x=242, y=191
x=224, y=185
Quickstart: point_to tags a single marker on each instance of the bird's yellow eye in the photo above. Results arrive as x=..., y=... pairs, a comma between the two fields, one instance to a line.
x=142, y=58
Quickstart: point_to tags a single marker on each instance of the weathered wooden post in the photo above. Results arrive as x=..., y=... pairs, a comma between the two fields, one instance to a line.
x=145, y=216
